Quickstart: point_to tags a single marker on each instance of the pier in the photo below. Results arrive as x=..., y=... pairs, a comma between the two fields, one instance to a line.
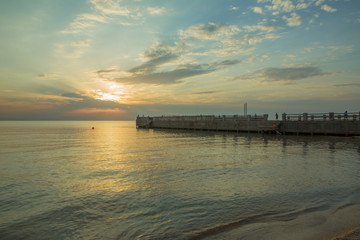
x=345, y=124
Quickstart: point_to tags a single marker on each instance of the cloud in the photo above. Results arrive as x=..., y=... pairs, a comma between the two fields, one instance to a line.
x=210, y=31
x=81, y=43
x=278, y=6
x=125, y=23
x=257, y=10
x=47, y=76
x=86, y=111
x=255, y=39
x=348, y=85
x=169, y=77
x=262, y=27
x=294, y=73
x=146, y=73
x=341, y=49
x=327, y=8
x=156, y=10
x=103, y=11
x=83, y=22
x=176, y=75
x=294, y=20
x=291, y=73
x=302, y=6
x=225, y=63
x=152, y=64
x=161, y=54
x=319, y=2
x=231, y=40
x=110, y=7
x=205, y=92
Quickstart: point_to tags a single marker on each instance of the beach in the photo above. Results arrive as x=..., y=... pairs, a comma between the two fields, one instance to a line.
x=341, y=223
x=353, y=234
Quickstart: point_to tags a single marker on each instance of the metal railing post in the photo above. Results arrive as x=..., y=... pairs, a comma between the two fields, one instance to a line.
x=305, y=116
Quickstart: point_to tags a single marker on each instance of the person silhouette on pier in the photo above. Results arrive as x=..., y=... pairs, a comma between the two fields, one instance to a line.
x=276, y=116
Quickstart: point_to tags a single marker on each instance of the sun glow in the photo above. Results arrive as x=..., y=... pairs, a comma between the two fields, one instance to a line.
x=111, y=92
x=108, y=97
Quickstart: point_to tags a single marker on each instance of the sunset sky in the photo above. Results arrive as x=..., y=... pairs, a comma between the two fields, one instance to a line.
x=115, y=59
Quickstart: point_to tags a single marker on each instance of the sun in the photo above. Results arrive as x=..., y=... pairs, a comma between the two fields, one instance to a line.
x=110, y=92
x=109, y=97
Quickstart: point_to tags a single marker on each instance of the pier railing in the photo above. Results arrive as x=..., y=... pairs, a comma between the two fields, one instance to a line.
x=254, y=117
x=331, y=116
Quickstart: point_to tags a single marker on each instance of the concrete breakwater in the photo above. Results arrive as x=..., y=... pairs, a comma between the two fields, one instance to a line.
x=347, y=124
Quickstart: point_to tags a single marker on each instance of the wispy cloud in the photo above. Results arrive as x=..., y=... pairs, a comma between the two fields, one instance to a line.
x=169, y=77
x=47, y=76
x=294, y=20
x=278, y=6
x=110, y=7
x=262, y=27
x=227, y=40
x=225, y=63
x=205, y=92
x=319, y=2
x=342, y=49
x=81, y=43
x=83, y=23
x=252, y=39
x=327, y=8
x=302, y=5
x=156, y=10
x=210, y=31
x=294, y=73
x=176, y=75
x=257, y=10
x=153, y=63
x=86, y=111
x=163, y=54
x=348, y=85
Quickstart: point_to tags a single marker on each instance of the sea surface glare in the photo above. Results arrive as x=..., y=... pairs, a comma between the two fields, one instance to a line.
x=65, y=180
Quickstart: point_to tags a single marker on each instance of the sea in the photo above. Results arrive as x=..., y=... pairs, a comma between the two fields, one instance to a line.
x=110, y=180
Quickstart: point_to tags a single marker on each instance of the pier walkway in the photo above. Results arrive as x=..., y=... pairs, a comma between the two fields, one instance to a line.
x=346, y=124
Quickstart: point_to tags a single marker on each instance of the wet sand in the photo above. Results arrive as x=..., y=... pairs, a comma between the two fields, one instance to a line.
x=340, y=223
x=353, y=234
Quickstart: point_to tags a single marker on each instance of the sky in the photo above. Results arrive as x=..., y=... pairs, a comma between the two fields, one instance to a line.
x=116, y=59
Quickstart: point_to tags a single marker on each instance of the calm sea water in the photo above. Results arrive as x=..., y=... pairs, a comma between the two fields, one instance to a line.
x=63, y=180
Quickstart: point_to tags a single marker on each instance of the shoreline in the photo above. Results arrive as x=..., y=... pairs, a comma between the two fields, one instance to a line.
x=339, y=223
x=353, y=234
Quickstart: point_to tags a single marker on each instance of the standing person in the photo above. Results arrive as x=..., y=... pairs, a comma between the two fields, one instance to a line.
x=345, y=114
x=277, y=116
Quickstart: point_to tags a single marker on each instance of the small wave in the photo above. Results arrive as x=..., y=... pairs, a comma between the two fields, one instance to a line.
x=227, y=227
x=343, y=206
x=293, y=215
x=265, y=217
x=49, y=224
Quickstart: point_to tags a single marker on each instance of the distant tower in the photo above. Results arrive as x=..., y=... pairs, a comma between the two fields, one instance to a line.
x=245, y=109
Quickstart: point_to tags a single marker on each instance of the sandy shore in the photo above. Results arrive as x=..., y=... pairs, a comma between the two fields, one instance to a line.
x=353, y=234
x=339, y=223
